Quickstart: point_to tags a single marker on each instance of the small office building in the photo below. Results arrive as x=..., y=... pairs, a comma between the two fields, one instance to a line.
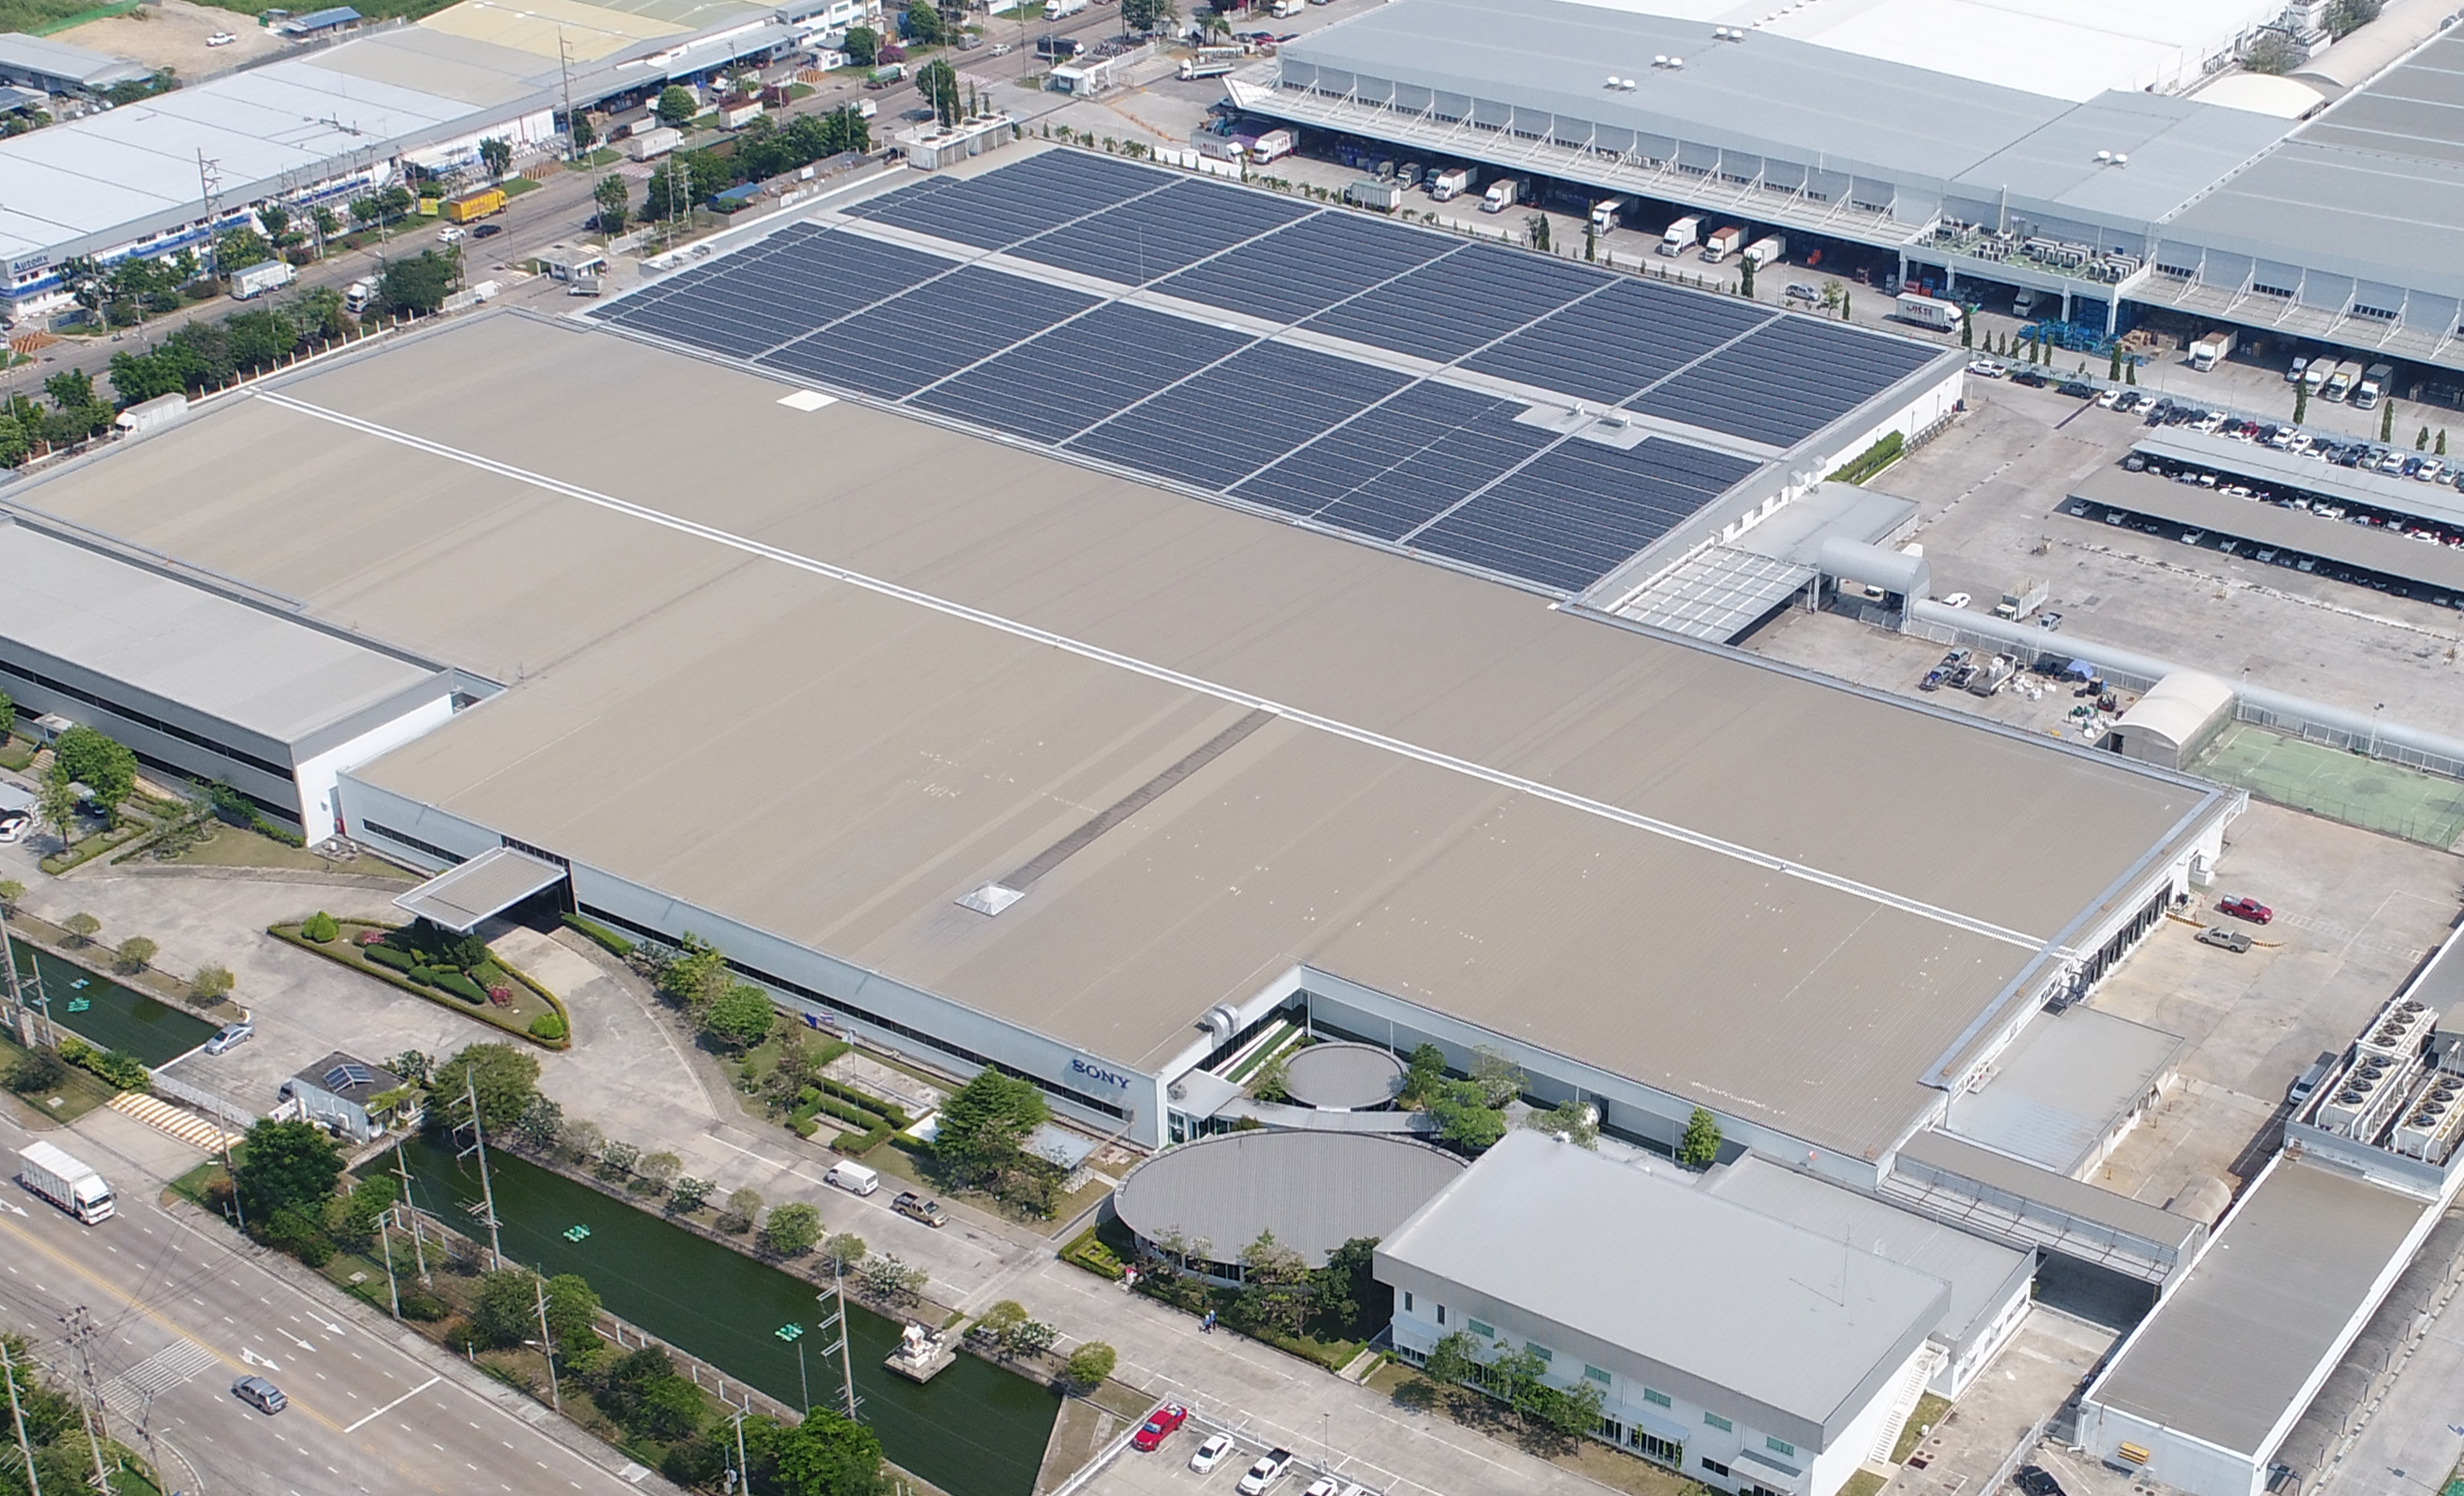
x=202, y=683
x=342, y=1094
x=1753, y=1354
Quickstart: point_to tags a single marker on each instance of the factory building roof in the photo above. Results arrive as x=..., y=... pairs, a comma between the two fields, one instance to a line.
x=39, y=56
x=942, y=656
x=1315, y=1191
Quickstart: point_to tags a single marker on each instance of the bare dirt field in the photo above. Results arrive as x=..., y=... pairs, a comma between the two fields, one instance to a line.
x=172, y=35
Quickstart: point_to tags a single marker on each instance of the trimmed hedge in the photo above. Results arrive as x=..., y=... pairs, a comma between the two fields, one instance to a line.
x=461, y=987
x=888, y=1111
x=547, y=1026
x=388, y=955
x=1872, y=461
x=862, y=1117
x=599, y=935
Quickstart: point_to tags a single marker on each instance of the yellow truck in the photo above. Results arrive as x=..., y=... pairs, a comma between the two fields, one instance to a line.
x=472, y=207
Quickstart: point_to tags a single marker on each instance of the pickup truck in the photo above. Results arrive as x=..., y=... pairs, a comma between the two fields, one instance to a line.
x=915, y=1206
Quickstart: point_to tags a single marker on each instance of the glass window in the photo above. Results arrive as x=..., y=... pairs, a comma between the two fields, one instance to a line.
x=1479, y=1329
x=1542, y=1352
x=1651, y=1446
x=1658, y=1398
x=1779, y=1446
x=1718, y=1422
x=1714, y=1465
x=1407, y=1300
x=1597, y=1374
x=1442, y=1313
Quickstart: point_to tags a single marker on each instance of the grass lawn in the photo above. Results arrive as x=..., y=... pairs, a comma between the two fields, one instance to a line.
x=231, y=846
x=16, y=753
x=191, y=1186
x=1928, y=1416
x=79, y=1092
x=1863, y=1482
x=516, y=187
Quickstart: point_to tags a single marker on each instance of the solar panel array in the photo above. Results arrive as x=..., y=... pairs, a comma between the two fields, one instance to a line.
x=1334, y=437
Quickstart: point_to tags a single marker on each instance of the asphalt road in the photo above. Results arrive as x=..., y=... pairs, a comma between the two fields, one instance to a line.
x=183, y=1310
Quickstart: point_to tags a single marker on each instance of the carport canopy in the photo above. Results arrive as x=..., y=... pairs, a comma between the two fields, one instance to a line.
x=461, y=896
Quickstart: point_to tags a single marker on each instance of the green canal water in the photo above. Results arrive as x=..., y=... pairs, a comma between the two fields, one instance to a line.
x=114, y=1017
x=975, y=1430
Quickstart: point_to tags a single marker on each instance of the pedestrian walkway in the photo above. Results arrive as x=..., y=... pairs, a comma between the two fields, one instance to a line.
x=187, y=1127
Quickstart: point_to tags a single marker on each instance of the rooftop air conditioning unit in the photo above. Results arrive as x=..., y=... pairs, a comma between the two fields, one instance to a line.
x=1628, y=85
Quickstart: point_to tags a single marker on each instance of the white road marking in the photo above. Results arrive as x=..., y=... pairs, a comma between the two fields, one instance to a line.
x=396, y=1403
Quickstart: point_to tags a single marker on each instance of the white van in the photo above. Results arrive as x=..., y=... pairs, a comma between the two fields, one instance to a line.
x=853, y=1177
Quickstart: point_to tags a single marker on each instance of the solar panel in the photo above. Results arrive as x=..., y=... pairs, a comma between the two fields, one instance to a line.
x=1226, y=421
x=1149, y=238
x=741, y=305
x=1306, y=267
x=343, y=1077
x=1787, y=381
x=1399, y=465
x=1461, y=302
x=1576, y=513
x=1067, y=379
x=1607, y=347
x=1019, y=201
x=941, y=327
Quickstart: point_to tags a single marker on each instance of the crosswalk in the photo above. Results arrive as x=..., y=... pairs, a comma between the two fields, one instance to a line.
x=128, y=1393
x=186, y=1125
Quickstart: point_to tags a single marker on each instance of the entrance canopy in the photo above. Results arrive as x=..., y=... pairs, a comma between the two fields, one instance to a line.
x=492, y=882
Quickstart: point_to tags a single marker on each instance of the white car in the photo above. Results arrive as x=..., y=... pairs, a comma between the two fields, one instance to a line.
x=451, y=233
x=1269, y=1470
x=1324, y=1486
x=1986, y=369
x=221, y=39
x=1956, y=600
x=1211, y=1453
x=2110, y=398
x=14, y=825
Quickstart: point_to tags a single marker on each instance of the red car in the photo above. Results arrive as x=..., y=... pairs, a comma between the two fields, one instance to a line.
x=2249, y=909
x=1159, y=1426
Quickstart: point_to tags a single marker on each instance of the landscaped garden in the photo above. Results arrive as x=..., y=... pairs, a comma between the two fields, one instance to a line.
x=458, y=971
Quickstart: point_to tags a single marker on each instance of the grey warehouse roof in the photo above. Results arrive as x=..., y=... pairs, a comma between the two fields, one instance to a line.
x=1314, y=1191
x=1630, y=1258
x=36, y=57
x=2059, y=1087
x=243, y=664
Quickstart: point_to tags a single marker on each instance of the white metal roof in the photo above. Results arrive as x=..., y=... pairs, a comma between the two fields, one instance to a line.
x=490, y=883
x=40, y=56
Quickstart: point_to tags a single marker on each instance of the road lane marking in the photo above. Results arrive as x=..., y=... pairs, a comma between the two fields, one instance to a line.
x=397, y=1403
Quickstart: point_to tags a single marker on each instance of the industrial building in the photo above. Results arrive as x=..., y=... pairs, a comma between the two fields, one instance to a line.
x=1760, y=1331
x=201, y=679
x=2063, y=152
x=55, y=67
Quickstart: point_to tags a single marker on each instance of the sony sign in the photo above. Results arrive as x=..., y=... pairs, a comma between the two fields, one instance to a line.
x=1096, y=1072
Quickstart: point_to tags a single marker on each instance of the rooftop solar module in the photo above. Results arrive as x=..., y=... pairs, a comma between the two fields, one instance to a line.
x=1462, y=303
x=1059, y=384
x=741, y=305
x=1578, y=512
x=1306, y=267
x=930, y=333
x=1397, y=465
x=1020, y=201
x=1787, y=381
x=1606, y=347
x=1149, y=237
x=1234, y=417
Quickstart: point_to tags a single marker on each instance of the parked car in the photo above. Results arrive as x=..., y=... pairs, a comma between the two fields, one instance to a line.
x=1269, y=1470
x=2030, y=378
x=1956, y=600
x=221, y=39
x=915, y=1206
x=2036, y=1481
x=1987, y=368
x=14, y=825
x=1210, y=1454
x=2244, y=909
x=259, y=1394
x=1324, y=1486
x=449, y=233
x=1159, y=1426
x=229, y=1037
x=2077, y=389
x=2223, y=939
x=2309, y=1081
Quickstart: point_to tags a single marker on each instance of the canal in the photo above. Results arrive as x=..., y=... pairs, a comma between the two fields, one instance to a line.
x=102, y=1011
x=975, y=1430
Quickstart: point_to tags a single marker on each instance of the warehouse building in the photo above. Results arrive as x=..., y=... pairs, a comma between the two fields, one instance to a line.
x=1988, y=152
x=55, y=67
x=202, y=683
x=1057, y=769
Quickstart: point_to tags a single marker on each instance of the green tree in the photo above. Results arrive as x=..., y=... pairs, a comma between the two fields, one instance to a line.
x=573, y=1317
x=417, y=285
x=2421, y=443
x=1348, y=1289
x=739, y=1017
x=320, y=927
x=2441, y=448
x=497, y=155
x=889, y=1279
x=676, y=104
x=986, y=1124
x=365, y=1205
x=1700, y=1147
x=690, y=1195
x=2343, y=17
x=1425, y=1073
x=863, y=44
x=1453, y=1358
x=2271, y=52
x=1277, y=1288
x=659, y=1169
x=70, y=388
x=614, y=199
x=1500, y=1080
x=286, y=1165
x=1090, y=1364
x=793, y=1229
x=579, y=130
x=743, y=1209
x=1514, y=1371
x=1271, y=1082
x=504, y=1078
x=82, y=927
x=826, y=1455
x=997, y=1322
x=135, y=954
x=105, y=767
x=2301, y=406
x=2386, y=415
x=695, y=974
x=921, y=23
x=240, y=248
x=2114, y=374
x=11, y=892
x=1464, y=1118
x=1148, y=15
x=938, y=82
x=505, y=1311
x=1575, y=1119
x=843, y=1250
x=1535, y=229
x=541, y=1128
x=1572, y=1411
x=1745, y=275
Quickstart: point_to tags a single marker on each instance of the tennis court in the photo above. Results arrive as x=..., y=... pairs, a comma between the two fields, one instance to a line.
x=2340, y=784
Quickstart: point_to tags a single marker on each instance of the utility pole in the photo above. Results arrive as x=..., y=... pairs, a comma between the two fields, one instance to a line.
x=25, y=1450
x=735, y=1477
x=564, y=61
x=486, y=1209
x=547, y=1343
x=835, y=1323
x=42, y=1032
x=79, y=1335
x=393, y=1286
x=418, y=1253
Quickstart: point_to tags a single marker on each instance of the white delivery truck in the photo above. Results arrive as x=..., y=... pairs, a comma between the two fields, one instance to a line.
x=258, y=278
x=2376, y=381
x=2210, y=351
x=1371, y=192
x=2341, y=380
x=1286, y=9
x=1768, y=250
x=1680, y=235
x=1608, y=212
x=1930, y=311
x=65, y=1182
x=1274, y=145
x=1451, y=183
x=1503, y=193
x=853, y=1177
x=1723, y=243
x=1195, y=68
x=1055, y=10
x=358, y=295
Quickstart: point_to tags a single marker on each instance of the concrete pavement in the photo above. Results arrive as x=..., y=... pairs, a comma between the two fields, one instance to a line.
x=183, y=1307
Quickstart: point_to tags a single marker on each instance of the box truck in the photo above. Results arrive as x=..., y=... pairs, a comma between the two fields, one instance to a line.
x=1055, y=10
x=1503, y=193
x=358, y=295
x=1608, y=212
x=65, y=1182
x=1451, y=183
x=2210, y=351
x=1768, y=250
x=472, y=207
x=2376, y=381
x=2341, y=380
x=1195, y=68
x=651, y=145
x=256, y=279
x=1274, y=145
x=1371, y=192
x=1927, y=311
x=1723, y=243
x=1680, y=235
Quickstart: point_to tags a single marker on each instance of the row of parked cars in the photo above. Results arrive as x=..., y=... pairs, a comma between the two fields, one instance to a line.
x=2411, y=526
x=1263, y=1475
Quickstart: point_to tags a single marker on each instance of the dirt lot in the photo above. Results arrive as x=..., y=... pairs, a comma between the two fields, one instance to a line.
x=172, y=35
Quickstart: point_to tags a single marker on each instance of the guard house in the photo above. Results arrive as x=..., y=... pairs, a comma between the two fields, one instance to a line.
x=335, y=1092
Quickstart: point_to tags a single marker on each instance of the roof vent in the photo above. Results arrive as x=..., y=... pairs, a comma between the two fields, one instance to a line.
x=1613, y=82
x=1675, y=63
x=1661, y=60
x=1628, y=85
x=2104, y=158
x=2120, y=160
